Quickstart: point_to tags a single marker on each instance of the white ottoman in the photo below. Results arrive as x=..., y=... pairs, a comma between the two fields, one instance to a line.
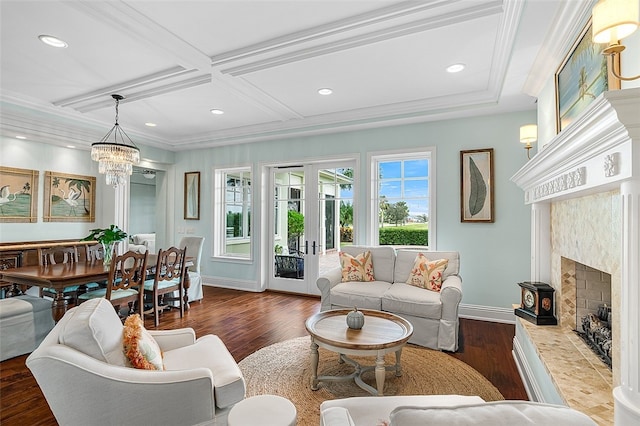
x=24, y=322
x=264, y=410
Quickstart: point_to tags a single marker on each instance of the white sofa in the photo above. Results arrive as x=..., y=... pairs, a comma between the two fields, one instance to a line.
x=445, y=410
x=434, y=315
x=86, y=379
x=143, y=242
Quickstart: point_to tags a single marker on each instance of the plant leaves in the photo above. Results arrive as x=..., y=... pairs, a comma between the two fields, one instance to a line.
x=478, y=189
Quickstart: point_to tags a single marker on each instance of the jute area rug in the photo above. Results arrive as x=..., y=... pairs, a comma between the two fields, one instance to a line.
x=284, y=369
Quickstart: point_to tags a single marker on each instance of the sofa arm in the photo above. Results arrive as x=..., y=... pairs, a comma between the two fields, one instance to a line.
x=173, y=339
x=325, y=283
x=336, y=416
x=450, y=297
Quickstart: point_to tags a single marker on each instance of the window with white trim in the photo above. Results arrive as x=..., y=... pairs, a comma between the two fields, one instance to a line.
x=403, y=199
x=233, y=214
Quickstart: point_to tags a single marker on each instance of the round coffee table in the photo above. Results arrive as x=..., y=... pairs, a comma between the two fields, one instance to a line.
x=381, y=334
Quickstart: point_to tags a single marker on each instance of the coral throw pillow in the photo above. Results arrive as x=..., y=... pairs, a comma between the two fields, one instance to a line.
x=140, y=347
x=359, y=268
x=427, y=273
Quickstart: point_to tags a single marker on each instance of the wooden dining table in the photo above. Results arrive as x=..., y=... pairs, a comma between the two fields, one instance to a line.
x=61, y=275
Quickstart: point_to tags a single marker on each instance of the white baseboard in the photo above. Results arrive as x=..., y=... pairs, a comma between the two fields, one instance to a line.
x=487, y=313
x=244, y=285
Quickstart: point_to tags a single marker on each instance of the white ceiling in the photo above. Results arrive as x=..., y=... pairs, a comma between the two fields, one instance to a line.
x=263, y=61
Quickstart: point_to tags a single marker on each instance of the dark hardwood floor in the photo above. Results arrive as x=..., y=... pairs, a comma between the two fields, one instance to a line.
x=247, y=322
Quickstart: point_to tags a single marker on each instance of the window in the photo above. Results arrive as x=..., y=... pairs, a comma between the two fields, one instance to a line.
x=233, y=214
x=403, y=202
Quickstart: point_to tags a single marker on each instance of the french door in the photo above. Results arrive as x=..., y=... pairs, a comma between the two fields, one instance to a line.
x=310, y=205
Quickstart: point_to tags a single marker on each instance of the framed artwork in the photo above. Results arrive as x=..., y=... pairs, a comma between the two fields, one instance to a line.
x=192, y=196
x=18, y=195
x=476, y=185
x=582, y=76
x=69, y=198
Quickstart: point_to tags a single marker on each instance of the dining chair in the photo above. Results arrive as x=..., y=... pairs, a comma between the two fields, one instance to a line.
x=93, y=252
x=194, y=251
x=55, y=255
x=127, y=274
x=169, y=278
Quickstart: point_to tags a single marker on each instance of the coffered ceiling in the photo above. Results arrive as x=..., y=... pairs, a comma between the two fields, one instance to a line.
x=262, y=63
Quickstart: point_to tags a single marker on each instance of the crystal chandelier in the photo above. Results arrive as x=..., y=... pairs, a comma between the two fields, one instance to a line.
x=115, y=158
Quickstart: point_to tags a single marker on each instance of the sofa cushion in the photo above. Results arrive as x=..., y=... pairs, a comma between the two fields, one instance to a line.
x=405, y=259
x=427, y=273
x=141, y=348
x=364, y=295
x=356, y=268
x=403, y=298
x=384, y=258
x=96, y=331
x=211, y=353
x=497, y=413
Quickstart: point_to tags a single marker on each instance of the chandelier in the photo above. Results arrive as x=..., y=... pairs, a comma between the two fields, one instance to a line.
x=115, y=158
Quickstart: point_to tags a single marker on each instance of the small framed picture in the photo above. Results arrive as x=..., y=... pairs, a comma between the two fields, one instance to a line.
x=476, y=185
x=69, y=198
x=18, y=195
x=192, y=196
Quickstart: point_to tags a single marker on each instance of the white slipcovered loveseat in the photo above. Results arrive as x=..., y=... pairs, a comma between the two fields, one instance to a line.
x=86, y=378
x=434, y=315
x=445, y=410
x=143, y=242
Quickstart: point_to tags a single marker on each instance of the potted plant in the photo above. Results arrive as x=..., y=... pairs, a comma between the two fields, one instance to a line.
x=108, y=237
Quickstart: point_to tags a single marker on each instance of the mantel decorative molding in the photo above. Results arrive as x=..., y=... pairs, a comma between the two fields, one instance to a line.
x=590, y=155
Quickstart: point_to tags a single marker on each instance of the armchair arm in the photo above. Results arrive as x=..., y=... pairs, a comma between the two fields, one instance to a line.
x=173, y=339
x=325, y=283
x=120, y=395
x=450, y=296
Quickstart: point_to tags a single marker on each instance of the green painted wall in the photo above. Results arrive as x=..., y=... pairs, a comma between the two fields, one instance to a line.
x=494, y=257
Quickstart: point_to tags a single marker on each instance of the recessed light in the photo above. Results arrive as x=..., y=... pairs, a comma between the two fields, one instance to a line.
x=325, y=91
x=150, y=124
x=455, y=68
x=20, y=137
x=217, y=111
x=52, y=41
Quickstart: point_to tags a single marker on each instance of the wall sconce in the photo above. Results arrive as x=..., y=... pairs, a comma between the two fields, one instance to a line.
x=613, y=20
x=528, y=135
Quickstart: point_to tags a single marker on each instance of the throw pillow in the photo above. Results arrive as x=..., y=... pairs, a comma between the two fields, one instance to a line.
x=427, y=273
x=140, y=347
x=358, y=268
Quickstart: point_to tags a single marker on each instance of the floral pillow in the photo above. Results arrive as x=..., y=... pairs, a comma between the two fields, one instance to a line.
x=427, y=273
x=358, y=268
x=140, y=347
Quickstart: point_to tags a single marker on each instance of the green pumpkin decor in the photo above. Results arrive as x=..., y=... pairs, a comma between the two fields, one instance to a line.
x=355, y=319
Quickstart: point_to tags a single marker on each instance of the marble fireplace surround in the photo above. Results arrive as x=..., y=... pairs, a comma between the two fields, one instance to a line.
x=584, y=192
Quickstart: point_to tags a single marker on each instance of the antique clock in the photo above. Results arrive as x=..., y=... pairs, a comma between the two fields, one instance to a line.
x=536, y=303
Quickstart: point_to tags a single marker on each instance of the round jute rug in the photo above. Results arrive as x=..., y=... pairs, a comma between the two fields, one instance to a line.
x=284, y=369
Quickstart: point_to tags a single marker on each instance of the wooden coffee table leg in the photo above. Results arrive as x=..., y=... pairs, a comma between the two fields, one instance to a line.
x=398, y=366
x=380, y=373
x=314, y=365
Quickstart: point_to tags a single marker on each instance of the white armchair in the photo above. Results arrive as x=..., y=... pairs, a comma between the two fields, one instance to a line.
x=86, y=379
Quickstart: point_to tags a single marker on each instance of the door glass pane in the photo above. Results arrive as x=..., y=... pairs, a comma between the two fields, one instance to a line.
x=289, y=224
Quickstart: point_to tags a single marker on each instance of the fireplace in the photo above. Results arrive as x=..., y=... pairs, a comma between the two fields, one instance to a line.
x=586, y=295
x=584, y=192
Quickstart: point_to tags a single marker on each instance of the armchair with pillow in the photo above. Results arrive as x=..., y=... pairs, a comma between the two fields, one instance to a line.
x=85, y=369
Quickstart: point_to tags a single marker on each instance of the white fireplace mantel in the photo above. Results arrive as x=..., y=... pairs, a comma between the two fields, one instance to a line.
x=593, y=154
x=598, y=152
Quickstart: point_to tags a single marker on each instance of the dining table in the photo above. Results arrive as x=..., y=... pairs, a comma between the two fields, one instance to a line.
x=61, y=275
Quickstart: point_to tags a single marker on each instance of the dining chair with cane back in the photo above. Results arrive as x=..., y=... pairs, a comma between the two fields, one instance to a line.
x=127, y=273
x=55, y=255
x=169, y=277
